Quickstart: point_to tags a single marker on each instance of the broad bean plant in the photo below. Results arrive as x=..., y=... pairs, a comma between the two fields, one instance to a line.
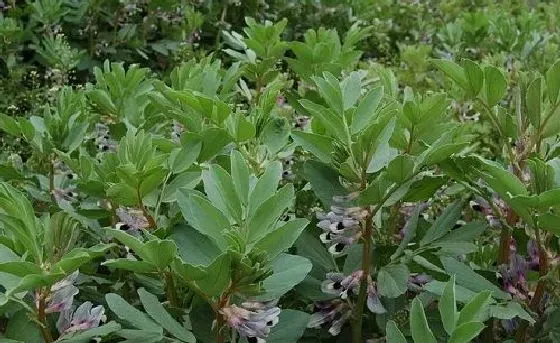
x=287, y=190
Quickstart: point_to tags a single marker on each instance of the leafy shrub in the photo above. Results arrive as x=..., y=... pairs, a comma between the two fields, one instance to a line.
x=316, y=171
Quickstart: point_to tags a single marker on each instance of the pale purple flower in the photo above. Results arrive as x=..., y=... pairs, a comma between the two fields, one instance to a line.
x=280, y=101
x=176, y=130
x=342, y=286
x=65, y=194
x=335, y=313
x=131, y=220
x=85, y=317
x=533, y=252
x=514, y=276
x=510, y=325
x=373, y=302
x=252, y=319
x=61, y=294
x=301, y=122
x=341, y=226
x=417, y=281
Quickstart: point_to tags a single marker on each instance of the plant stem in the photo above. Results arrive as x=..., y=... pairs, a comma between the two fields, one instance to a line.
x=362, y=296
x=45, y=332
x=151, y=221
x=160, y=198
x=224, y=301
x=170, y=291
x=51, y=180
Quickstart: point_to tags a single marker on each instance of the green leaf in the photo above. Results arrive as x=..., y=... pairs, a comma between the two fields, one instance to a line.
x=20, y=269
x=384, y=153
x=88, y=335
x=318, y=145
x=133, y=266
x=329, y=89
x=550, y=222
x=128, y=313
x=291, y=326
x=266, y=186
x=495, y=85
x=443, y=224
x=475, y=309
x=159, y=252
x=533, y=101
x=462, y=294
x=275, y=134
x=447, y=307
x=144, y=336
x=123, y=194
x=324, y=181
x=218, y=276
x=193, y=247
x=466, y=277
x=466, y=332
x=204, y=217
x=262, y=221
x=419, y=328
x=182, y=159
x=474, y=76
x=553, y=82
x=410, y=232
x=332, y=121
x=187, y=180
x=281, y=238
x=453, y=71
x=351, y=89
x=23, y=329
x=240, y=175
x=158, y=313
x=510, y=311
x=365, y=114
x=213, y=141
x=220, y=189
x=392, y=280
x=400, y=168
x=288, y=271
x=309, y=246
x=394, y=335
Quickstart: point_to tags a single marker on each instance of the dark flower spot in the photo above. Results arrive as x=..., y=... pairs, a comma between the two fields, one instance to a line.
x=104, y=147
x=457, y=225
x=338, y=247
x=340, y=226
x=269, y=323
x=477, y=208
x=252, y=339
x=336, y=285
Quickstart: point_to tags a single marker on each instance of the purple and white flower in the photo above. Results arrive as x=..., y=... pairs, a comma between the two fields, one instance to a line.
x=334, y=312
x=252, y=319
x=131, y=220
x=85, y=317
x=61, y=294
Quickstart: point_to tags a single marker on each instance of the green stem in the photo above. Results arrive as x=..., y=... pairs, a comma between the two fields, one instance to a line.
x=51, y=180
x=160, y=198
x=45, y=332
x=366, y=262
x=170, y=290
x=362, y=296
x=503, y=136
x=151, y=221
